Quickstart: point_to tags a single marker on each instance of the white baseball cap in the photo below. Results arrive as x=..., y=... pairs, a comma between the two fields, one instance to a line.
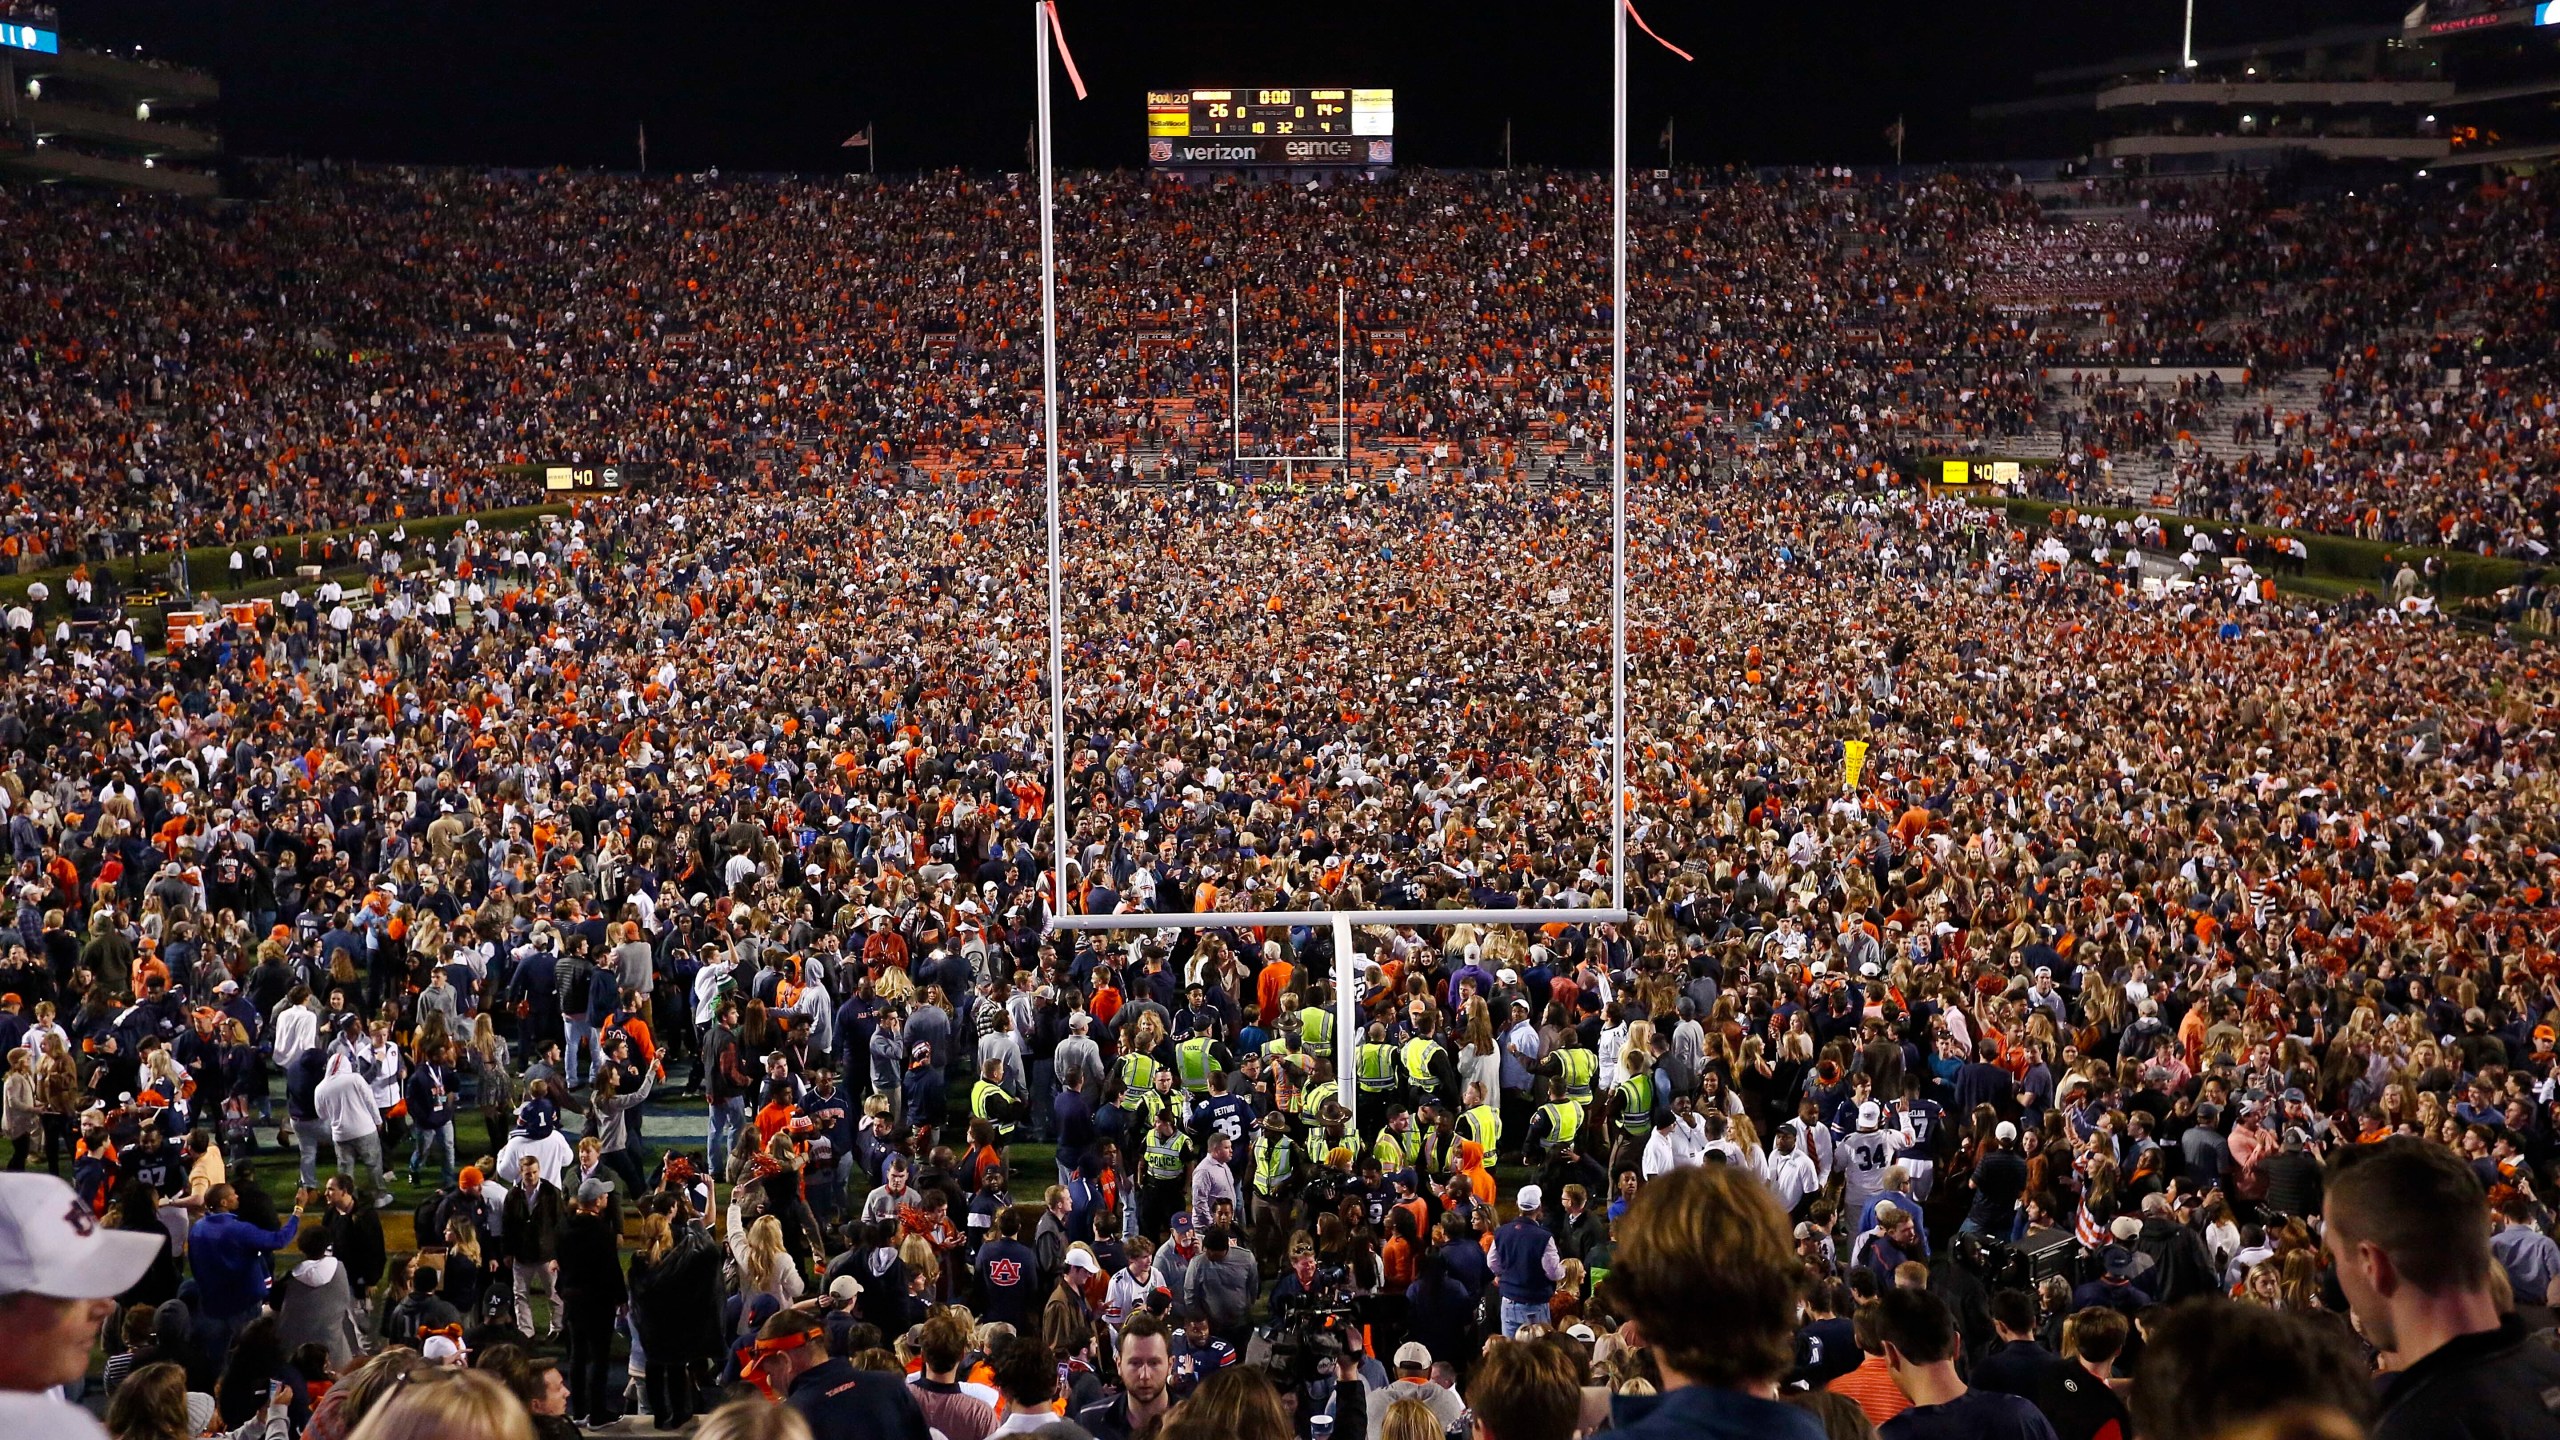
x=1870, y=1115
x=1413, y=1355
x=1530, y=1198
x=51, y=1245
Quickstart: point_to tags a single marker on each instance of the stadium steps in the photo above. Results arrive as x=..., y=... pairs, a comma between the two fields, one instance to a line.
x=2154, y=483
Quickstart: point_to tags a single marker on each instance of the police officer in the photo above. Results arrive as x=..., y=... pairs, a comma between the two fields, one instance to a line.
x=1632, y=1109
x=1398, y=1146
x=1313, y=1102
x=1275, y=1168
x=1196, y=1057
x=1430, y=1075
x=1138, y=1077
x=1571, y=1068
x=1480, y=1122
x=1555, y=1125
x=991, y=1102
x=1315, y=1025
x=1378, y=1079
x=1164, y=1162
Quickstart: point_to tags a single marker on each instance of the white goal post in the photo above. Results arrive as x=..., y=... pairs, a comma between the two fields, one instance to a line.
x=1341, y=388
x=1340, y=922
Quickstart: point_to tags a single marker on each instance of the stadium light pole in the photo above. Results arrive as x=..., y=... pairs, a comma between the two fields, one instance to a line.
x=1618, y=473
x=1049, y=444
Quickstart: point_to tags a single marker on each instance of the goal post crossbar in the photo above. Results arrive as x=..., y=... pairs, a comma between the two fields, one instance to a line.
x=1260, y=919
x=1346, y=975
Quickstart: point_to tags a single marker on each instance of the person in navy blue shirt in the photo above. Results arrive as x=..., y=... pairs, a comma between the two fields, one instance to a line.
x=230, y=1259
x=1827, y=1344
x=839, y=1401
x=1465, y=1258
x=1072, y=1111
x=1009, y=1274
x=1197, y=1353
x=2018, y=1364
x=1919, y=1336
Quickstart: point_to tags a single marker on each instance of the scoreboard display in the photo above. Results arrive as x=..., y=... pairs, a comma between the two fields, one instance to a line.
x=19, y=36
x=588, y=479
x=1271, y=127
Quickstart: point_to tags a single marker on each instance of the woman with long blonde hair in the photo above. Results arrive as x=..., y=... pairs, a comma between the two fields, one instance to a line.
x=1410, y=1419
x=19, y=1119
x=493, y=1078
x=58, y=1094
x=923, y=1263
x=765, y=1267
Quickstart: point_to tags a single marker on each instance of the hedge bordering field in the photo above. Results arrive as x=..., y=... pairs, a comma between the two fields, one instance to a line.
x=209, y=565
x=2336, y=557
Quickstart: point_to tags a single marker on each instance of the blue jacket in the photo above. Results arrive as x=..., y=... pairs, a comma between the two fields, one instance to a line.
x=837, y=1399
x=430, y=1097
x=1519, y=1262
x=1468, y=1267
x=1709, y=1412
x=302, y=1085
x=229, y=1256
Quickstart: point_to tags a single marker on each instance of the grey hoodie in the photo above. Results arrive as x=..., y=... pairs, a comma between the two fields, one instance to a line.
x=1225, y=1287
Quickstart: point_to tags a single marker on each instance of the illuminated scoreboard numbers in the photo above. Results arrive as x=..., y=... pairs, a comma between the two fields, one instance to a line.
x=1270, y=125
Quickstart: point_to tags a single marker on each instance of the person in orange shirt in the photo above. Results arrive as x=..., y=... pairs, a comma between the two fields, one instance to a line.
x=1871, y=1384
x=1276, y=979
x=1471, y=1168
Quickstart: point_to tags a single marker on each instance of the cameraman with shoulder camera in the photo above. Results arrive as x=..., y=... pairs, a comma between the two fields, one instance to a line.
x=1307, y=1286
x=1311, y=1320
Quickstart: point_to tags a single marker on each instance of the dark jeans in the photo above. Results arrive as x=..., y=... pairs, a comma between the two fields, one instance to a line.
x=626, y=1163
x=669, y=1386
x=591, y=1391
x=18, y=1148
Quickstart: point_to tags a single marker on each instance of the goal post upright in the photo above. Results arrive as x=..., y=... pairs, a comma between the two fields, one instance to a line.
x=1618, y=470
x=1040, y=37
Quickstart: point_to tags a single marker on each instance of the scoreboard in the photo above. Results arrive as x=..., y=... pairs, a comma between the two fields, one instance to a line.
x=1271, y=127
x=589, y=479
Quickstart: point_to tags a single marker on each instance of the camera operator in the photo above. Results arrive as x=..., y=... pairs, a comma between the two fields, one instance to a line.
x=1308, y=1287
x=1312, y=1321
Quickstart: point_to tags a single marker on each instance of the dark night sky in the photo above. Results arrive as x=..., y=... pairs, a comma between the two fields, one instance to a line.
x=763, y=86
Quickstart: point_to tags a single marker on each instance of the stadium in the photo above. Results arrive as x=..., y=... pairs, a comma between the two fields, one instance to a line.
x=1150, y=757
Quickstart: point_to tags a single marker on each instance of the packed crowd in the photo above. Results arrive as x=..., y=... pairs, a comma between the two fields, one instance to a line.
x=2432, y=310
x=1989, y=917
x=359, y=347
x=611, y=962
